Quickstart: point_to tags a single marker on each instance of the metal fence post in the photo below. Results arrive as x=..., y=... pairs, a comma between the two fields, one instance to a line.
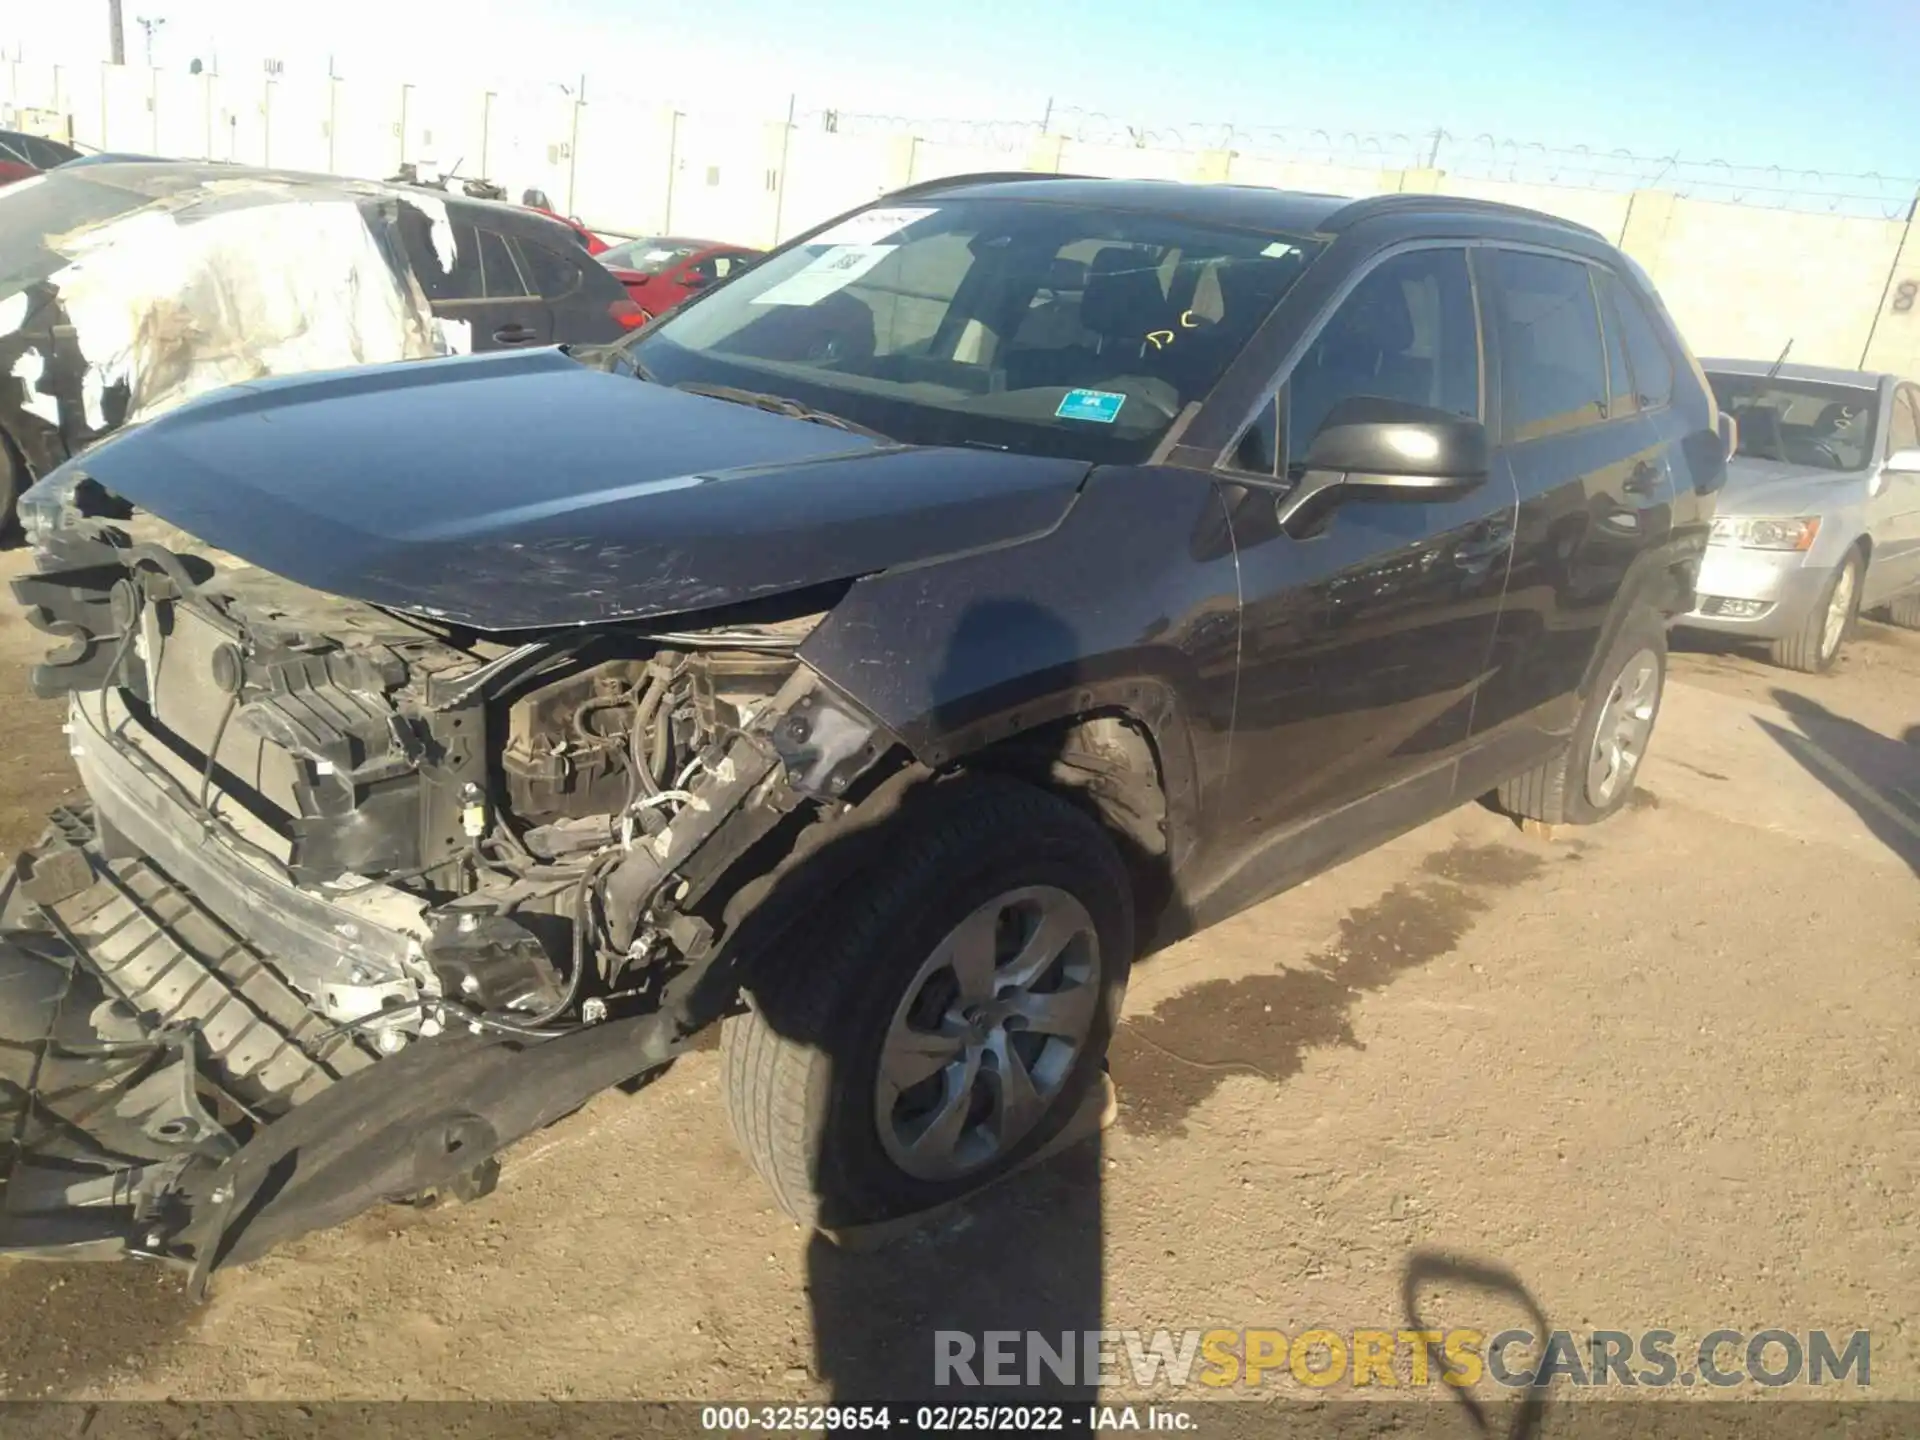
x=673, y=168
x=573, y=143
x=1886, y=290
x=780, y=180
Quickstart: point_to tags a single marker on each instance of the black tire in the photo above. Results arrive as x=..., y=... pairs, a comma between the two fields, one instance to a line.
x=1807, y=650
x=1905, y=612
x=1556, y=792
x=802, y=1065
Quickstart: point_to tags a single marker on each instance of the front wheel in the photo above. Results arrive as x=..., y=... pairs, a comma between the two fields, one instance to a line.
x=1815, y=645
x=945, y=1021
x=1594, y=775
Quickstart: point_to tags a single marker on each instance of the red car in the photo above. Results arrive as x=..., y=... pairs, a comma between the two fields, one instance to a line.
x=537, y=200
x=595, y=245
x=660, y=272
x=22, y=155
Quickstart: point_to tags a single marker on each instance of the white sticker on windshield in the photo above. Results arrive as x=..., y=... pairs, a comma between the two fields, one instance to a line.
x=828, y=273
x=870, y=226
x=1279, y=250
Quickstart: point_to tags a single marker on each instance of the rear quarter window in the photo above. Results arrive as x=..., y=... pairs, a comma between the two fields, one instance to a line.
x=1647, y=350
x=552, y=273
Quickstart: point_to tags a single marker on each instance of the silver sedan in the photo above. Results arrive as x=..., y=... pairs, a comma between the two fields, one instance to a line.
x=1820, y=517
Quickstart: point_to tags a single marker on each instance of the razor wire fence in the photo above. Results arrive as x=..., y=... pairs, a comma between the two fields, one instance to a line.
x=1859, y=194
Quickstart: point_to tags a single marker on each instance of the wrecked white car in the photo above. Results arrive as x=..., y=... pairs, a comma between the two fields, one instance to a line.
x=126, y=289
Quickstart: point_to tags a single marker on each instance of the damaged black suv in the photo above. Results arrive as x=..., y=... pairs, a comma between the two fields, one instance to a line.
x=871, y=657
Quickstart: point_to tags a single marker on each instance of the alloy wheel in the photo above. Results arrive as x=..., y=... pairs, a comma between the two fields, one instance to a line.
x=988, y=1032
x=1839, y=611
x=1626, y=724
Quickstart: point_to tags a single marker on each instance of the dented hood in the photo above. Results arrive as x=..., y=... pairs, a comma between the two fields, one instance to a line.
x=527, y=491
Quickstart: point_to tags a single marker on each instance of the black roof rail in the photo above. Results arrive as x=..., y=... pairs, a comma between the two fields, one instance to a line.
x=1433, y=204
x=982, y=177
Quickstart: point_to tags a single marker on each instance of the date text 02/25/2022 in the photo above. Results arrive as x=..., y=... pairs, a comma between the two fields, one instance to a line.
x=947, y=1419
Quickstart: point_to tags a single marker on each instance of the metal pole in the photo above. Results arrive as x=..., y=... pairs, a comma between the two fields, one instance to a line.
x=486, y=135
x=573, y=144
x=1886, y=290
x=673, y=164
x=780, y=180
x=116, y=33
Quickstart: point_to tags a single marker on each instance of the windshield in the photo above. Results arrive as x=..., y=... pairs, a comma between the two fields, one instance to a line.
x=1031, y=326
x=1800, y=422
x=647, y=257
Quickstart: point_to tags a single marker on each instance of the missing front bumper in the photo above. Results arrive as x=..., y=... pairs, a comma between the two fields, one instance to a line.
x=127, y=1130
x=101, y=1117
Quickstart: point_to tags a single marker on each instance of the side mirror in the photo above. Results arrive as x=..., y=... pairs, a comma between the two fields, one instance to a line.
x=1386, y=449
x=697, y=282
x=1903, y=462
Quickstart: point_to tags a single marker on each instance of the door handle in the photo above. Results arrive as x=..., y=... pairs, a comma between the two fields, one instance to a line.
x=1478, y=554
x=1645, y=479
x=513, y=335
x=1486, y=543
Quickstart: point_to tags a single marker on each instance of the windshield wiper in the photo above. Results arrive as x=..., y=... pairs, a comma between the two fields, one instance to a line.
x=780, y=405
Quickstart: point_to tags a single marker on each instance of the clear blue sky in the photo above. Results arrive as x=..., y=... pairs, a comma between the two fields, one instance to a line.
x=1822, y=83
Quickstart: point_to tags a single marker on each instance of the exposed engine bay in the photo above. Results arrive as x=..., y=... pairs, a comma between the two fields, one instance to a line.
x=321, y=836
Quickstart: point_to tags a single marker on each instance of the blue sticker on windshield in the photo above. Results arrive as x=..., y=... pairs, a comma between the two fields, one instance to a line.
x=1100, y=406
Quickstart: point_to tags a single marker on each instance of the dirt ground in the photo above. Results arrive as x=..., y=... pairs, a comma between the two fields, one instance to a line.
x=1662, y=1072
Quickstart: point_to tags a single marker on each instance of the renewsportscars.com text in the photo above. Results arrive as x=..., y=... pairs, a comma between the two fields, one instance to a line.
x=1319, y=1359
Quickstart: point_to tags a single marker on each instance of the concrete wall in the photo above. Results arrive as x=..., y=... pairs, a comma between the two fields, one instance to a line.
x=1741, y=279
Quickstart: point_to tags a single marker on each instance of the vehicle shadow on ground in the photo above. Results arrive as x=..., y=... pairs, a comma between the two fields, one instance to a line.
x=1878, y=778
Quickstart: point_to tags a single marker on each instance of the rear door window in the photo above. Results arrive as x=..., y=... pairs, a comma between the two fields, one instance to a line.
x=1646, y=351
x=464, y=280
x=499, y=276
x=483, y=268
x=1622, y=399
x=1553, y=362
